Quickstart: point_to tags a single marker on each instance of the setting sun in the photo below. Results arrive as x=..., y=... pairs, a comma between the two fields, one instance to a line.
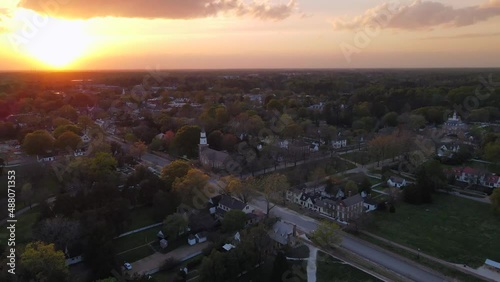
x=62, y=43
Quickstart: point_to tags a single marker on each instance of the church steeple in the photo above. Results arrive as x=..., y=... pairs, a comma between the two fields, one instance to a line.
x=203, y=138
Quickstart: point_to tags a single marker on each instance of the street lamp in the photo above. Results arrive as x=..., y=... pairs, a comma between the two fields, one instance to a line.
x=418, y=254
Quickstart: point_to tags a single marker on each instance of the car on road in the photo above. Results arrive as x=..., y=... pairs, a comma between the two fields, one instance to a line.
x=127, y=266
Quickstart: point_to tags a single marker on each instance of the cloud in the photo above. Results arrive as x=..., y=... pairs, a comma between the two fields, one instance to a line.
x=420, y=15
x=167, y=9
x=465, y=35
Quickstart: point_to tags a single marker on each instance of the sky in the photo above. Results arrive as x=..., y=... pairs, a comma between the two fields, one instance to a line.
x=227, y=34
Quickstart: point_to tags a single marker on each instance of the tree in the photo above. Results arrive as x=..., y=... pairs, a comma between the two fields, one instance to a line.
x=27, y=193
x=495, y=199
x=85, y=122
x=38, y=142
x=65, y=128
x=164, y=203
x=102, y=165
x=186, y=141
x=280, y=266
x=365, y=185
x=138, y=149
x=430, y=178
x=390, y=119
x=273, y=186
x=68, y=112
x=174, y=170
x=236, y=188
x=492, y=152
x=351, y=188
x=175, y=225
x=68, y=140
x=318, y=174
x=41, y=262
x=379, y=147
x=60, y=231
x=327, y=234
x=234, y=220
x=191, y=186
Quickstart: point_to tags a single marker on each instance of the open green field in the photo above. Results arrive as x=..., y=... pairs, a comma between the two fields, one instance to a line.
x=451, y=228
x=331, y=269
x=135, y=240
x=135, y=255
x=140, y=217
x=360, y=157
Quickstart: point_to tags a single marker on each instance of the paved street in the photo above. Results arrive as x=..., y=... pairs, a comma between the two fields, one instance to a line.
x=364, y=249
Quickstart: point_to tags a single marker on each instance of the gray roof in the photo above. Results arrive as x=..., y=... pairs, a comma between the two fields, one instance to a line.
x=232, y=203
x=281, y=231
x=214, y=155
x=353, y=200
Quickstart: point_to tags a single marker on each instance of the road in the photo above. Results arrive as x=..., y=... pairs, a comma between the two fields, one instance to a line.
x=359, y=247
x=146, y=157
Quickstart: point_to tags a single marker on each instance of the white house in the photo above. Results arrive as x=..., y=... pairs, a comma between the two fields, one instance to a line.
x=397, y=182
x=339, y=143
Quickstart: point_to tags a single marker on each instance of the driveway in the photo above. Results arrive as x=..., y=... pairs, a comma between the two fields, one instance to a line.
x=311, y=264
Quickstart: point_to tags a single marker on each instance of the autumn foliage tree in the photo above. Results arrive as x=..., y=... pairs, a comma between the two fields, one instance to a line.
x=41, y=262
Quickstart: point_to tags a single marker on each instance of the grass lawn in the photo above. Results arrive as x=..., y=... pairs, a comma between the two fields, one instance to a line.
x=137, y=239
x=24, y=226
x=360, y=157
x=451, y=228
x=140, y=217
x=135, y=255
x=331, y=269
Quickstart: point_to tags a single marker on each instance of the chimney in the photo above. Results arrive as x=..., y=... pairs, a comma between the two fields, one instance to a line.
x=294, y=230
x=350, y=193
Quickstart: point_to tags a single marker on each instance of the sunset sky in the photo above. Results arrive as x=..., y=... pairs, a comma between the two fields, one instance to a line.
x=199, y=34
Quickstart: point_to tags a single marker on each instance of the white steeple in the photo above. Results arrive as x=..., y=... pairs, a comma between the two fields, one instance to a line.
x=203, y=138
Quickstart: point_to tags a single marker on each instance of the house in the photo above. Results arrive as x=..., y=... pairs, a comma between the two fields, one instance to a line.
x=228, y=203
x=447, y=150
x=350, y=208
x=283, y=234
x=79, y=152
x=213, y=203
x=338, y=208
x=475, y=176
x=339, y=142
x=493, y=265
x=397, y=182
x=317, y=107
x=163, y=243
x=210, y=157
x=454, y=125
x=370, y=205
x=46, y=158
x=201, y=237
x=191, y=240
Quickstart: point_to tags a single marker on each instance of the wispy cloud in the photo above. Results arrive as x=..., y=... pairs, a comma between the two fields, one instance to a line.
x=420, y=15
x=460, y=36
x=168, y=9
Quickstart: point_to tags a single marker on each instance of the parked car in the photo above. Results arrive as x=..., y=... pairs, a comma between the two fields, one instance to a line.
x=127, y=266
